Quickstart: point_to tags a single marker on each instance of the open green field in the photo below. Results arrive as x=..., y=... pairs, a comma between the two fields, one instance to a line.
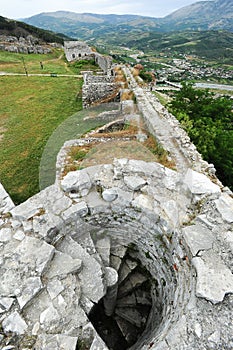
x=31, y=108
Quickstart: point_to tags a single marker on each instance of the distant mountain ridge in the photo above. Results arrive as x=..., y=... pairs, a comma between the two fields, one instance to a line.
x=202, y=15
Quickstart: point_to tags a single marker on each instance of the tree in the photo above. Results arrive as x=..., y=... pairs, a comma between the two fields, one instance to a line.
x=209, y=122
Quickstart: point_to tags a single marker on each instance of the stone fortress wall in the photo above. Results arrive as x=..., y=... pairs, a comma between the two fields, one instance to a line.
x=64, y=250
x=96, y=88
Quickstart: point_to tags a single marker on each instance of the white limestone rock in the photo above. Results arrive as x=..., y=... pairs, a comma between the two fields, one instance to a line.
x=143, y=202
x=5, y=234
x=5, y=304
x=198, y=329
x=172, y=212
x=124, y=199
x=34, y=253
x=14, y=323
x=32, y=207
x=118, y=167
x=141, y=168
x=19, y=235
x=56, y=342
x=224, y=206
x=103, y=248
x=198, y=238
x=46, y=224
x=77, y=182
x=54, y=288
x=214, y=279
x=6, y=204
x=62, y=265
x=215, y=338
x=93, y=288
x=109, y=195
x=30, y=289
x=30, y=258
x=200, y=184
x=79, y=209
x=49, y=318
x=135, y=183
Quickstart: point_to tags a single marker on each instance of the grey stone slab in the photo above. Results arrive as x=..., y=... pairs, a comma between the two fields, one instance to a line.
x=5, y=234
x=77, y=182
x=93, y=288
x=96, y=203
x=6, y=203
x=143, y=202
x=135, y=183
x=141, y=168
x=35, y=254
x=177, y=334
x=14, y=323
x=172, y=211
x=126, y=269
x=119, y=251
x=103, y=248
x=31, y=288
x=200, y=184
x=56, y=342
x=54, y=288
x=62, y=265
x=214, y=279
x=5, y=304
x=224, y=206
x=28, y=209
x=19, y=235
x=198, y=238
x=47, y=225
x=115, y=262
x=80, y=209
x=49, y=318
x=124, y=199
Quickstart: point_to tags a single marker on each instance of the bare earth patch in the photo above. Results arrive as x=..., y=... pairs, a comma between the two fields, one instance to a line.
x=112, y=144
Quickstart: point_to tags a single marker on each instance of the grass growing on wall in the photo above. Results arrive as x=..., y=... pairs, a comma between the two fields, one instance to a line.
x=31, y=108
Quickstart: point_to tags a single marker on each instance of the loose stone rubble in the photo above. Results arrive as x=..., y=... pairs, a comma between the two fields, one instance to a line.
x=26, y=45
x=53, y=271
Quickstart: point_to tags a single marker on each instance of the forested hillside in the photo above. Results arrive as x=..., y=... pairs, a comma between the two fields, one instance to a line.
x=17, y=28
x=209, y=123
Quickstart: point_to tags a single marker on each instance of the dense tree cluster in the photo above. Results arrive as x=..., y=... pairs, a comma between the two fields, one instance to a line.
x=209, y=122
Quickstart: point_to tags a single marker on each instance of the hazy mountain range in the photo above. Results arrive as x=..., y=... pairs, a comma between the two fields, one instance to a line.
x=204, y=29
x=202, y=15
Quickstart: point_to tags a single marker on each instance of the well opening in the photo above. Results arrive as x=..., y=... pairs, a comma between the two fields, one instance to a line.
x=154, y=254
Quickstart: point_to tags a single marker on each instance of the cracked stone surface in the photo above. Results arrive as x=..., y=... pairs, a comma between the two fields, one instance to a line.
x=214, y=279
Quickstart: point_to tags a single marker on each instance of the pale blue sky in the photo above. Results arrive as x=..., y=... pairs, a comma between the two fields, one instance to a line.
x=156, y=8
